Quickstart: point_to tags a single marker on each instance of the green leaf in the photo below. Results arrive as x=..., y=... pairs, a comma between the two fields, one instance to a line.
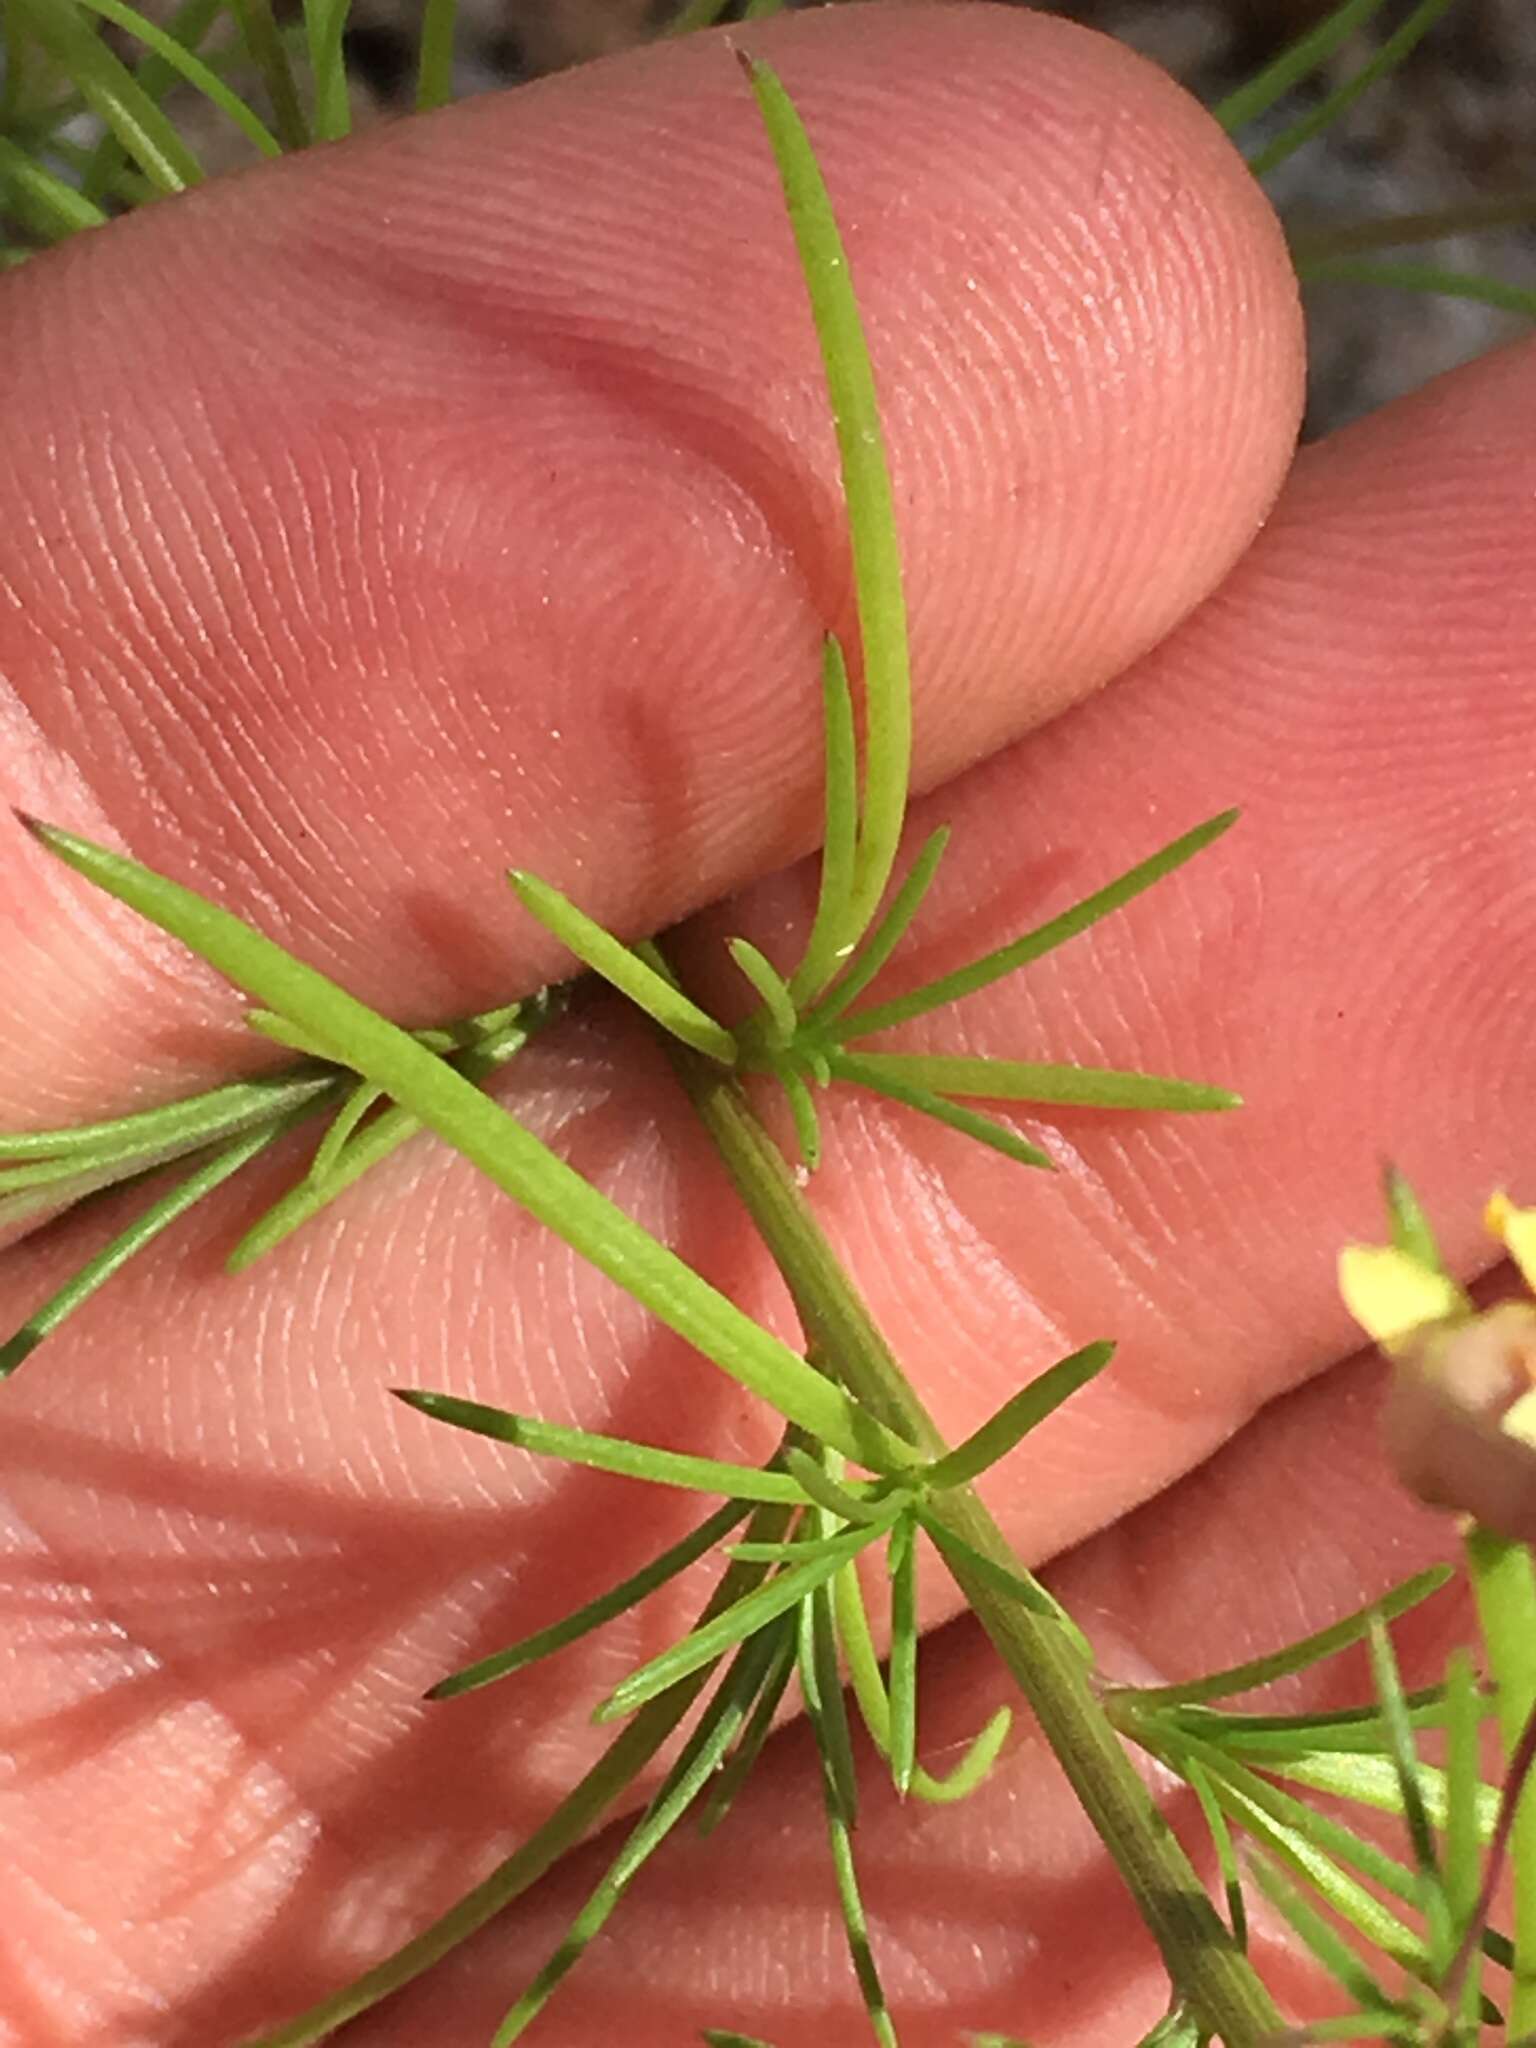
x=1342, y=1962
x=758, y=1726
x=779, y=1020
x=802, y=1108
x=821, y=1685
x=1259, y=93
x=1410, y=1231
x=1297, y=1656
x=966, y=981
x=112, y=92
x=1371, y=1780
x=142, y=1231
x=54, y=202
x=1387, y=58
x=595, y=1613
x=1433, y=279
x=1463, y=1817
x=1198, y=1780
x=606, y=1453
x=434, y=63
x=1402, y=1753
x=701, y=1757
x=826, y=947
x=874, y=1705
x=174, y=54
x=713, y=1639
x=628, y=972
x=501, y=1034
x=502, y=1148
x=904, y=1632
x=852, y=1067
x=1025, y=1081
x=1024, y=1411
x=264, y=41
x=325, y=22
x=866, y=484
x=883, y=940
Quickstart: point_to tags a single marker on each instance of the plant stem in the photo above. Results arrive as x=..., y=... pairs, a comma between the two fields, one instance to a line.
x=1504, y=1583
x=1203, y=1961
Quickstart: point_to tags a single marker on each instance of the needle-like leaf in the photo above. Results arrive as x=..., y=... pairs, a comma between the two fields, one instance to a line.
x=996, y=1080
x=971, y=1123
x=965, y=981
x=883, y=940
x=625, y=968
x=1297, y=1656
x=596, y=1613
x=1259, y=93
x=827, y=944
x=713, y=1639
x=1021, y=1413
x=615, y=1454
x=866, y=486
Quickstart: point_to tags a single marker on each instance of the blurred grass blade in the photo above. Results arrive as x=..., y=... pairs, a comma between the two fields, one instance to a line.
x=1430, y=278
x=886, y=936
x=853, y=1068
x=1310, y=1649
x=1387, y=58
x=112, y=92
x=54, y=206
x=866, y=482
x=596, y=1613
x=264, y=41
x=172, y=52
x=1294, y=64
x=998, y=1080
x=713, y=1639
x=823, y=953
x=830, y=1493
x=434, y=60
x=325, y=24
x=1025, y=1411
x=1045, y=938
x=902, y=1691
x=626, y=969
x=615, y=1454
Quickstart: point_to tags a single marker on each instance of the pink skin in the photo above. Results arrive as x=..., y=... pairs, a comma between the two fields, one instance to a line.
x=409, y=462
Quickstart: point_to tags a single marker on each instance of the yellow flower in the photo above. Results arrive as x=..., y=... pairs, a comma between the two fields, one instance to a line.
x=1461, y=1417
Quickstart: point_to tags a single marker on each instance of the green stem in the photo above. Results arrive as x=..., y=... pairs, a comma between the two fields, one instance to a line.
x=1393, y=231
x=1202, y=1959
x=1504, y=1583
